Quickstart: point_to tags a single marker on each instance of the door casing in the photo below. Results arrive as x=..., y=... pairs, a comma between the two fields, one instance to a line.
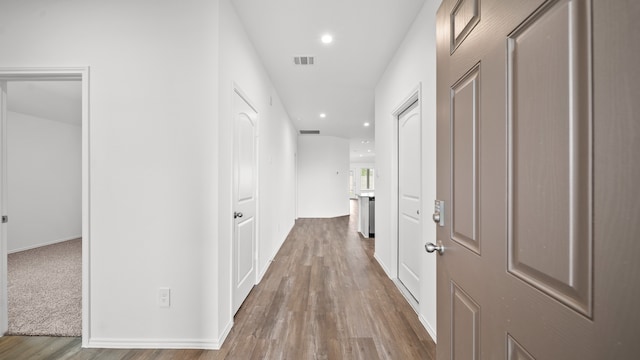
x=236, y=89
x=414, y=95
x=48, y=74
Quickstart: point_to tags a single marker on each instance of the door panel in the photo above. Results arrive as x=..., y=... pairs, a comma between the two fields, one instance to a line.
x=535, y=114
x=246, y=154
x=550, y=153
x=464, y=18
x=244, y=245
x=409, y=239
x=516, y=351
x=465, y=319
x=244, y=259
x=464, y=140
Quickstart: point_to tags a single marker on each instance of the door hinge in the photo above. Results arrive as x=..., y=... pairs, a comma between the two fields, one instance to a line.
x=5, y=219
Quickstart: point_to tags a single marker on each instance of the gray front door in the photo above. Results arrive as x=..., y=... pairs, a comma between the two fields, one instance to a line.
x=538, y=146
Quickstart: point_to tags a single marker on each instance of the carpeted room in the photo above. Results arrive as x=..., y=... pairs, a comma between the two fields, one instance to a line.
x=45, y=290
x=44, y=261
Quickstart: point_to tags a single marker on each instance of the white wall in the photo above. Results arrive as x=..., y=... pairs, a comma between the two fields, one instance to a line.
x=153, y=154
x=240, y=65
x=278, y=148
x=414, y=63
x=323, y=176
x=44, y=180
x=161, y=75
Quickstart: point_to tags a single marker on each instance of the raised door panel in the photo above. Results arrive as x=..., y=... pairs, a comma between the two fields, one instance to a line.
x=244, y=254
x=515, y=351
x=465, y=327
x=464, y=157
x=550, y=171
x=246, y=157
x=464, y=17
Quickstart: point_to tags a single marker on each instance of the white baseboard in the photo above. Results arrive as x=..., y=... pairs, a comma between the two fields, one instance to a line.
x=199, y=344
x=43, y=244
x=154, y=344
x=414, y=305
x=269, y=262
x=224, y=334
x=386, y=271
x=407, y=295
x=429, y=328
x=264, y=271
x=273, y=255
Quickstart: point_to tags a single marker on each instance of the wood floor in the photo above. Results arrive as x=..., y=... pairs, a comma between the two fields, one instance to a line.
x=324, y=297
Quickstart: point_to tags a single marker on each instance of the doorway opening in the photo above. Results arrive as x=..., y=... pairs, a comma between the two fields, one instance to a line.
x=44, y=200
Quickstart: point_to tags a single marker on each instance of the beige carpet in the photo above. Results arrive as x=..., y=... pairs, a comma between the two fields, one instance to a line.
x=45, y=290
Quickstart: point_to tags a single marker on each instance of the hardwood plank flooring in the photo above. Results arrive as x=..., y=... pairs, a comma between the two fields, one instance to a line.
x=323, y=297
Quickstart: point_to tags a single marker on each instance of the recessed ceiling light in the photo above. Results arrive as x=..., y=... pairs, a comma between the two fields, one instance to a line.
x=326, y=39
x=365, y=141
x=323, y=115
x=369, y=150
x=366, y=124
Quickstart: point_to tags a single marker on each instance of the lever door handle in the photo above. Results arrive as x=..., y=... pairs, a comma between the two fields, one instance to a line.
x=237, y=215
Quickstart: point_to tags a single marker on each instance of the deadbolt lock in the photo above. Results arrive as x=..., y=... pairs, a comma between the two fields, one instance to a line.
x=438, y=212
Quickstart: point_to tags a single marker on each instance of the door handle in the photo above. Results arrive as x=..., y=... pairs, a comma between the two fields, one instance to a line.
x=436, y=217
x=237, y=215
x=430, y=247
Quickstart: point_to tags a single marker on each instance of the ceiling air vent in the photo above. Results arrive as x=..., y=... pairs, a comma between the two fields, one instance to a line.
x=309, y=132
x=303, y=60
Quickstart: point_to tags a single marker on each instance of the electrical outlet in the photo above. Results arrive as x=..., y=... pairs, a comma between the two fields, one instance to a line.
x=164, y=297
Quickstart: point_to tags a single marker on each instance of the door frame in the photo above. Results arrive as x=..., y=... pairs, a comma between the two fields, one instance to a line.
x=48, y=74
x=414, y=95
x=236, y=89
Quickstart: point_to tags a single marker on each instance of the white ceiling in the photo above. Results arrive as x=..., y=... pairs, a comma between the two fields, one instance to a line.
x=53, y=100
x=341, y=83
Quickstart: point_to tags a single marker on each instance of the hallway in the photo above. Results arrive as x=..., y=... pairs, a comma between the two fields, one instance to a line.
x=324, y=297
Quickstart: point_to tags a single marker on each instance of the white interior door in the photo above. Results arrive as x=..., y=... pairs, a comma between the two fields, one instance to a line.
x=244, y=200
x=409, y=218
